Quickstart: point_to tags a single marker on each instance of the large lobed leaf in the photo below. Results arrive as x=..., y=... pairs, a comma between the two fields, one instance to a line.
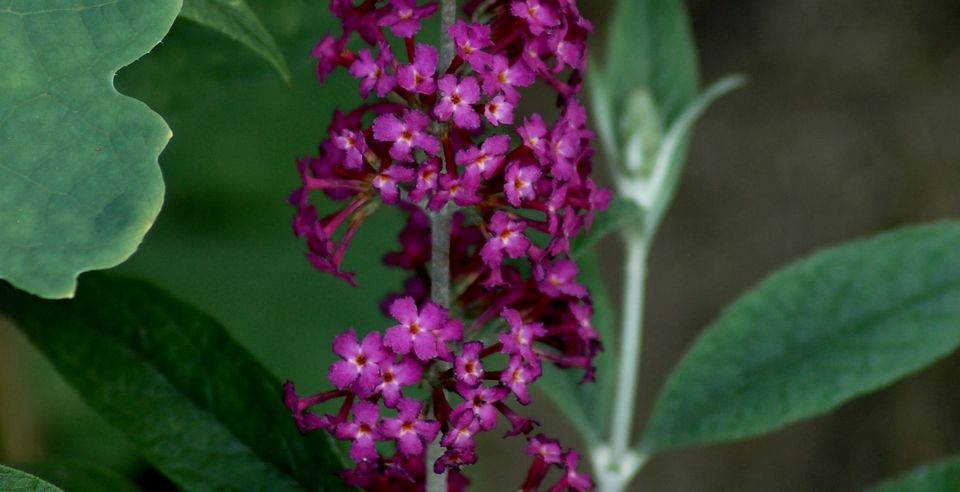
x=938, y=477
x=17, y=481
x=79, y=181
x=192, y=400
x=814, y=335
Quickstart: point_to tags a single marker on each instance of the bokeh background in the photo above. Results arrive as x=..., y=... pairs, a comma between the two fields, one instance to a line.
x=849, y=126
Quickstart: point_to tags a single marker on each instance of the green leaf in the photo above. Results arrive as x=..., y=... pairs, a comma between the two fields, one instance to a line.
x=645, y=102
x=641, y=132
x=656, y=191
x=79, y=181
x=620, y=214
x=17, y=481
x=237, y=20
x=826, y=329
x=193, y=401
x=650, y=47
x=939, y=477
x=653, y=192
x=80, y=477
x=587, y=405
x=668, y=166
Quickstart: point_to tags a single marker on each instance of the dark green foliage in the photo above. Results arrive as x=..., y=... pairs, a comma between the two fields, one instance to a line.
x=192, y=400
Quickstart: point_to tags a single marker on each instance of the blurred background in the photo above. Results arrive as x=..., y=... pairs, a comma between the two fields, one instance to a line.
x=849, y=126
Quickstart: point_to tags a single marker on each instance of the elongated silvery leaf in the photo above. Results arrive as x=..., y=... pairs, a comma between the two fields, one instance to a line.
x=826, y=329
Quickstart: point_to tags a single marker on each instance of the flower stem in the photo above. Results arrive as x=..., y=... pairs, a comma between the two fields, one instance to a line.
x=616, y=463
x=631, y=342
x=440, y=225
x=448, y=15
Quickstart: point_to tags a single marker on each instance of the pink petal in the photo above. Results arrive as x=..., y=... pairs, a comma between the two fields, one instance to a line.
x=345, y=344
x=404, y=310
x=343, y=373
x=398, y=338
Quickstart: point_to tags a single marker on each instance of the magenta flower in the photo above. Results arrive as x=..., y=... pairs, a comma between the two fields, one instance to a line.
x=533, y=132
x=560, y=279
x=396, y=375
x=416, y=329
x=479, y=401
x=408, y=429
x=426, y=180
x=518, y=423
x=470, y=40
x=486, y=159
x=360, y=19
x=354, y=145
x=520, y=182
x=583, y=314
x=387, y=182
x=328, y=54
x=565, y=149
x=556, y=203
x=433, y=136
x=536, y=51
x=467, y=367
x=544, y=448
x=461, y=190
x=546, y=452
x=362, y=431
x=360, y=362
x=573, y=54
x=539, y=15
x=449, y=331
x=418, y=76
x=518, y=374
x=403, y=16
x=460, y=435
x=499, y=111
x=455, y=458
x=406, y=134
x=373, y=73
x=506, y=237
x=456, y=99
x=519, y=340
x=299, y=408
x=571, y=478
x=598, y=198
x=500, y=76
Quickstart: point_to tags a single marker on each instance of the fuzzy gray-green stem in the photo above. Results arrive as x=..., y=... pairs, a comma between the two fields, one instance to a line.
x=448, y=15
x=616, y=463
x=440, y=224
x=631, y=343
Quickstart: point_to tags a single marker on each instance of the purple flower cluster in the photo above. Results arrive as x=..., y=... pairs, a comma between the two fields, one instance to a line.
x=453, y=138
